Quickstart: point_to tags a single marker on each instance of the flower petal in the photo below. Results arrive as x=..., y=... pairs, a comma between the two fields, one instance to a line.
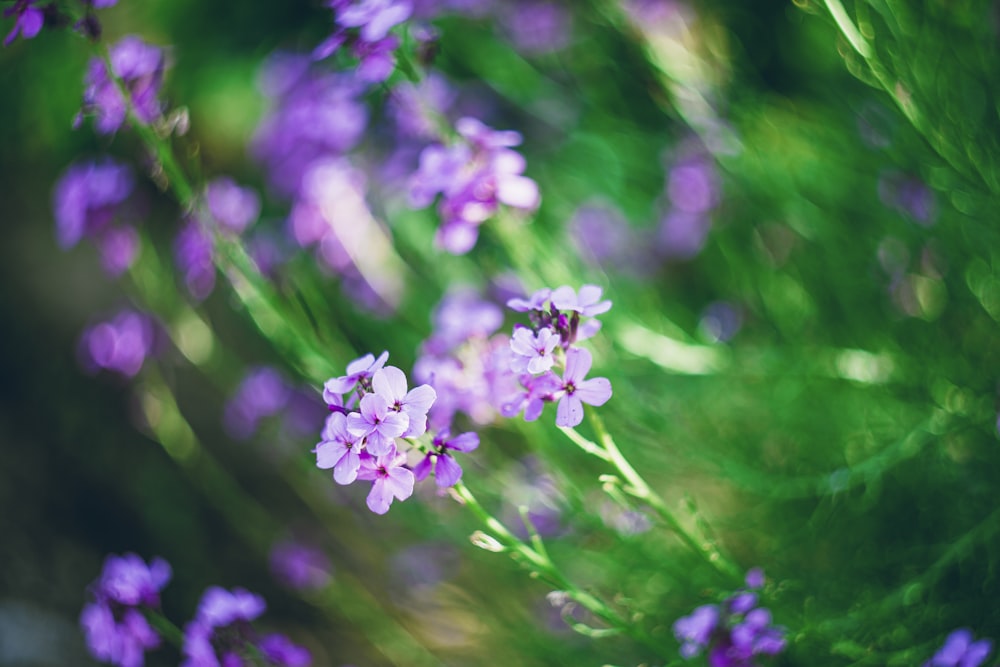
x=595, y=391
x=578, y=362
x=570, y=411
x=466, y=442
x=447, y=471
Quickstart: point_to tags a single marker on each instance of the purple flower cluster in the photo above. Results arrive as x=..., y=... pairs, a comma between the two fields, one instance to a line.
x=556, y=325
x=221, y=634
x=734, y=632
x=314, y=117
x=139, y=67
x=372, y=413
x=469, y=370
x=90, y=202
x=231, y=209
x=473, y=176
x=960, y=650
x=113, y=624
x=121, y=344
x=363, y=27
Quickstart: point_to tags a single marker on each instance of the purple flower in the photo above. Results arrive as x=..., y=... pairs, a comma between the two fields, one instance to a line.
x=279, y=650
x=390, y=479
x=565, y=311
x=377, y=424
x=390, y=384
x=221, y=632
x=363, y=26
x=358, y=371
x=473, y=178
x=140, y=68
x=532, y=352
x=339, y=450
x=87, y=201
x=734, y=633
x=535, y=302
x=312, y=117
x=233, y=207
x=262, y=393
x=537, y=391
x=908, y=195
x=28, y=22
x=960, y=651
x=417, y=108
x=537, y=27
x=121, y=344
x=577, y=390
x=446, y=470
x=300, y=566
x=695, y=631
x=193, y=253
x=113, y=624
x=587, y=302
x=461, y=315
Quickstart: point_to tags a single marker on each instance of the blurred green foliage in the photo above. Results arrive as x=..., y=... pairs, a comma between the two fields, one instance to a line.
x=845, y=439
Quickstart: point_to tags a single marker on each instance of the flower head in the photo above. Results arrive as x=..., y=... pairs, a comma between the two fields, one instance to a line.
x=960, y=651
x=390, y=479
x=28, y=20
x=113, y=624
x=121, y=344
x=577, y=390
x=446, y=470
x=139, y=67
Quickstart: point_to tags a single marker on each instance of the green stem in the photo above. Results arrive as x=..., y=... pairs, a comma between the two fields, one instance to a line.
x=637, y=487
x=542, y=566
x=165, y=627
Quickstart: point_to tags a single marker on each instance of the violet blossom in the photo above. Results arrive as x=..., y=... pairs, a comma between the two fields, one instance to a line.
x=232, y=206
x=363, y=27
x=121, y=344
x=28, y=20
x=377, y=424
x=473, y=177
x=359, y=371
x=577, y=390
x=446, y=470
x=89, y=202
x=339, y=449
x=113, y=624
x=221, y=632
x=139, y=67
x=532, y=352
x=300, y=566
x=262, y=393
x=734, y=632
x=960, y=651
x=390, y=384
x=390, y=479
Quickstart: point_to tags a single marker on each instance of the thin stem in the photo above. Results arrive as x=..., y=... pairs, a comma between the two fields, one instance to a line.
x=637, y=487
x=539, y=563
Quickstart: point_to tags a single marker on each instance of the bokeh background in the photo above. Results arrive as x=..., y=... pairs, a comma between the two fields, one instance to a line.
x=801, y=247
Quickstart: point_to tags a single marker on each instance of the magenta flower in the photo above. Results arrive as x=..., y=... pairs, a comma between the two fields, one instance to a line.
x=390, y=479
x=28, y=23
x=358, y=371
x=578, y=391
x=390, y=384
x=339, y=450
x=446, y=470
x=121, y=344
x=379, y=425
x=113, y=624
x=532, y=352
x=363, y=26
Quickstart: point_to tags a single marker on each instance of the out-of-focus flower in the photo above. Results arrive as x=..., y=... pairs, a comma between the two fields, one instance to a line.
x=312, y=117
x=692, y=192
x=908, y=195
x=720, y=321
x=121, y=344
x=473, y=177
x=262, y=393
x=419, y=108
x=113, y=624
x=363, y=27
x=193, y=253
x=89, y=202
x=733, y=633
x=232, y=206
x=299, y=565
x=960, y=651
x=221, y=632
x=28, y=20
x=139, y=67
x=536, y=27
